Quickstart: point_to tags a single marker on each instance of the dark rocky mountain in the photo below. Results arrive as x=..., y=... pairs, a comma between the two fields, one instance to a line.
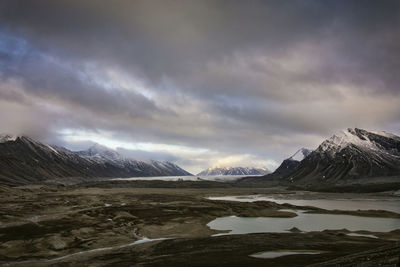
x=353, y=155
x=290, y=164
x=233, y=171
x=351, y=160
x=25, y=161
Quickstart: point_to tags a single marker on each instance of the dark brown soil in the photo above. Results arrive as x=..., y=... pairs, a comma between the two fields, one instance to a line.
x=38, y=225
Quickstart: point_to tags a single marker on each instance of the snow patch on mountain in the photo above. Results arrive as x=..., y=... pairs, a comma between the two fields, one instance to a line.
x=234, y=171
x=356, y=137
x=385, y=134
x=300, y=154
x=7, y=138
x=53, y=149
x=348, y=155
x=101, y=153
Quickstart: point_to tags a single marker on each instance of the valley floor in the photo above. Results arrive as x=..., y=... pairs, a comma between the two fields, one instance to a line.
x=107, y=225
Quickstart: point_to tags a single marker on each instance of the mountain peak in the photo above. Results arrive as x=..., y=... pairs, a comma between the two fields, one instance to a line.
x=7, y=137
x=350, y=154
x=12, y=138
x=101, y=152
x=356, y=137
x=98, y=148
x=290, y=164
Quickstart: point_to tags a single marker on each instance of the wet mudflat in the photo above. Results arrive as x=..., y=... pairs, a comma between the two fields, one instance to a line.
x=70, y=226
x=357, y=203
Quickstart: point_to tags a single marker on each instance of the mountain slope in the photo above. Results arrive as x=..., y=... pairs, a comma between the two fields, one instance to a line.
x=290, y=164
x=350, y=155
x=100, y=153
x=129, y=167
x=24, y=161
x=233, y=171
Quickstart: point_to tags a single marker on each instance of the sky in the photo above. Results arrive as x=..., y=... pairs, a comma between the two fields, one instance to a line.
x=198, y=83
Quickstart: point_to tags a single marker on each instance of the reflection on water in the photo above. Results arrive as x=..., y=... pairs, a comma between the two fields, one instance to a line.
x=281, y=253
x=306, y=222
x=328, y=204
x=355, y=234
x=216, y=178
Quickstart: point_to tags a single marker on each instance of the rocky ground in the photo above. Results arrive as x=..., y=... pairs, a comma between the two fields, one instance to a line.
x=97, y=225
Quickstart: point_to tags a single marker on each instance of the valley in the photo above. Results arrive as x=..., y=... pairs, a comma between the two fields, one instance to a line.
x=199, y=133
x=129, y=226
x=338, y=204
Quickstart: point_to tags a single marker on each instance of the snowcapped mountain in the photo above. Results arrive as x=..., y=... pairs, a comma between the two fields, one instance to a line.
x=233, y=171
x=362, y=139
x=104, y=155
x=350, y=155
x=24, y=161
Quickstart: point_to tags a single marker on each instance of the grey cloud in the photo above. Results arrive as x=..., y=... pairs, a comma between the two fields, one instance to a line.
x=167, y=37
x=146, y=155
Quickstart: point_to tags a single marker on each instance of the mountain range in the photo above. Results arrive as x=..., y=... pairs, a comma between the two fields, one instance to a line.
x=352, y=156
x=24, y=161
x=233, y=171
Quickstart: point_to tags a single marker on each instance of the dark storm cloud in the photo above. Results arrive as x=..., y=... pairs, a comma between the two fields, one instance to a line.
x=173, y=37
x=268, y=75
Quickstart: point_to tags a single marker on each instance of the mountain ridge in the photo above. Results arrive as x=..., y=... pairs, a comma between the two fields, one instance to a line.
x=25, y=161
x=352, y=160
x=233, y=171
x=351, y=154
x=290, y=164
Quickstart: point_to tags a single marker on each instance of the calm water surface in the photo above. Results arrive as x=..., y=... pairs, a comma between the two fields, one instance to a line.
x=276, y=254
x=216, y=178
x=306, y=222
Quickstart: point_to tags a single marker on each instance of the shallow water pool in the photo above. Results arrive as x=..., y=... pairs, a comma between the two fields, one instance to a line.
x=305, y=222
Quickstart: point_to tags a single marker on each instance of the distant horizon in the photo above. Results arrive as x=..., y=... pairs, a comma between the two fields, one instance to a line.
x=143, y=156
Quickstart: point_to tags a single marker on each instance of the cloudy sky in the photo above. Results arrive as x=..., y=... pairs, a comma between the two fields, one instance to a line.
x=199, y=83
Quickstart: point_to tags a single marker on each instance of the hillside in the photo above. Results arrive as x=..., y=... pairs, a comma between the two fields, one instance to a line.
x=26, y=161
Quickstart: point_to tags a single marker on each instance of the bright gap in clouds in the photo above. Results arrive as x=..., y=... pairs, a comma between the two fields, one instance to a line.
x=106, y=139
x=192, y=159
